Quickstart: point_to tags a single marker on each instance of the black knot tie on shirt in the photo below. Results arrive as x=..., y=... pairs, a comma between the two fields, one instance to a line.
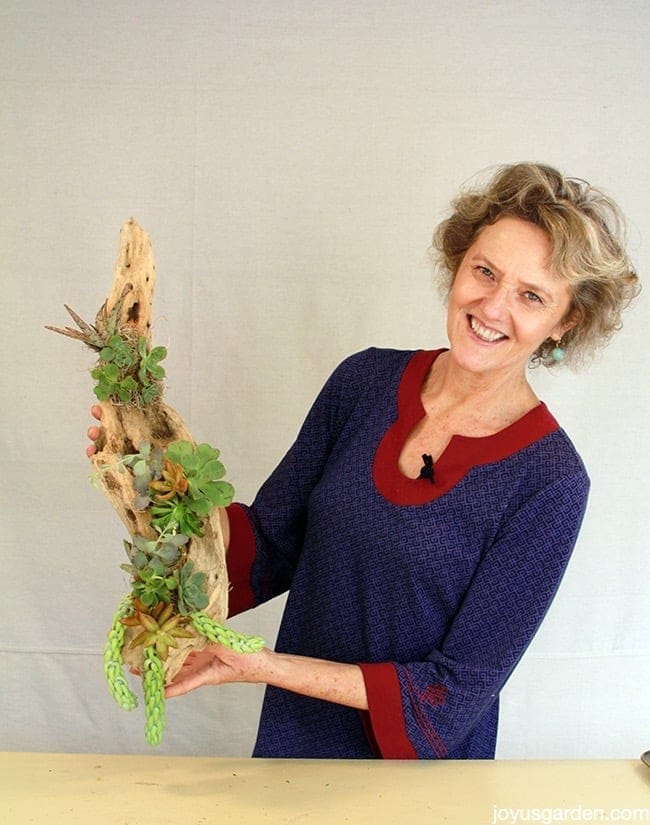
x=426, y=470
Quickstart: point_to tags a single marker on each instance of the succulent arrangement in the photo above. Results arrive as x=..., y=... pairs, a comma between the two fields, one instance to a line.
x=167, y=490
x=180, y=486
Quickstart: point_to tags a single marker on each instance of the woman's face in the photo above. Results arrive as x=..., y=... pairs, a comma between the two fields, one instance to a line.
x=504, y=301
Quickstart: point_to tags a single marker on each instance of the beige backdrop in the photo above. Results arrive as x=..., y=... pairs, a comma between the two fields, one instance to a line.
x=289, y=160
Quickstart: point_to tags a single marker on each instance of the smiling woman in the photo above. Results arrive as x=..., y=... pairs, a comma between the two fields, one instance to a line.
x=585, y=247
x=505, y=301
x=424, y=517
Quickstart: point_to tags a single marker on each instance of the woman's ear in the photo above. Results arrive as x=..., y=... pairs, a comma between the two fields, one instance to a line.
x=571, y=319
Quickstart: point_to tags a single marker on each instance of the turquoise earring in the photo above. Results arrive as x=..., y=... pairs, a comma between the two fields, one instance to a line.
x=557, y=353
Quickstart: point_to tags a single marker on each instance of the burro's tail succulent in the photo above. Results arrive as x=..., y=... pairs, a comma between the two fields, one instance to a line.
x=166, y=489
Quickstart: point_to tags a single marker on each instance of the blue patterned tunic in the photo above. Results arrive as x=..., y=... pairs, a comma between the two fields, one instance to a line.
x=435, y=589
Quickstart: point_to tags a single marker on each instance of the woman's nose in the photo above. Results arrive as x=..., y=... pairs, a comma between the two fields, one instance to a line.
x=496, y=302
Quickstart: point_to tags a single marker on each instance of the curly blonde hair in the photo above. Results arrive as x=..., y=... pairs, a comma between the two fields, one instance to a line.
x=587, y=232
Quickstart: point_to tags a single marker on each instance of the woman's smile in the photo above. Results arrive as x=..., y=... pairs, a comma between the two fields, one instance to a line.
x=484, y=333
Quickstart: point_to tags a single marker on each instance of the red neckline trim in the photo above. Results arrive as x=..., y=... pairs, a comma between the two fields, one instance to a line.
x=461, y=454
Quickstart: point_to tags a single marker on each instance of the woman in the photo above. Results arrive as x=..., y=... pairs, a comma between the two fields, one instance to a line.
x=425, y=515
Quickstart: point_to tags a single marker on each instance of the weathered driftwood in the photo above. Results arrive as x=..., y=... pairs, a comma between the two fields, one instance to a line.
x=124, y=428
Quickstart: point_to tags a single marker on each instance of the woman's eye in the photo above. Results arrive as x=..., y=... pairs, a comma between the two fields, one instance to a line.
x=533, y=296
x=484, y=270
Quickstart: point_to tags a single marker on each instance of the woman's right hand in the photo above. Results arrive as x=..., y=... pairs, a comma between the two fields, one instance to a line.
x=94, y=431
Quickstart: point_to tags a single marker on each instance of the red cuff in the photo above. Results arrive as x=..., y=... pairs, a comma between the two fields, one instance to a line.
x=239, y=561
x=385, y=716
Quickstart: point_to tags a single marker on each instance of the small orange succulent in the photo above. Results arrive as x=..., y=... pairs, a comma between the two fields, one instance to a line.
x=161, y=627
x=173, y=482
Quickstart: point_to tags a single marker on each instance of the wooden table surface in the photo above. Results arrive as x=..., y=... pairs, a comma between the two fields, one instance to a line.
x=98, y=789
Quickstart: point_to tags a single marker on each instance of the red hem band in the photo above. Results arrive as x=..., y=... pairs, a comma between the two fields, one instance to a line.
x=385, y=715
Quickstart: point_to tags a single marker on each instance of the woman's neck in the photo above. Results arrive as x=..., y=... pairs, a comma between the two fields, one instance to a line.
x=497, y=398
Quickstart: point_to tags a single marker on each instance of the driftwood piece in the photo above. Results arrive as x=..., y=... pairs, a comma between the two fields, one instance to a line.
x=123, y=428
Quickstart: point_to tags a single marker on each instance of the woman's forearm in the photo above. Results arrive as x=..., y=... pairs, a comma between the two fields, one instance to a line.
x=318, y=678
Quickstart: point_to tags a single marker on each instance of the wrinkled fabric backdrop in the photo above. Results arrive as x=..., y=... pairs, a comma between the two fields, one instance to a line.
x=289, y=161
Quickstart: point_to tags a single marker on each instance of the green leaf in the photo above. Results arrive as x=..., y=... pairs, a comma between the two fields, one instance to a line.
x=129, y=383
x=200, y=506
x=102, y=393
x=200, y=601
x=168, y=554
x=111, y=373
x=177, y=451
x=157, y=354
x=156, y=567
x=190, y=465
x=213, y=470
x=156, y=372
x=150, y=393
x=140, y=467
x=220, y=493
x=206, y=452
x=146, y=545
x=178, y=540
x=207, y=490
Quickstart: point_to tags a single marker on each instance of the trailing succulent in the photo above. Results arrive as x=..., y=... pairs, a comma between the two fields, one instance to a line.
x=179, y=486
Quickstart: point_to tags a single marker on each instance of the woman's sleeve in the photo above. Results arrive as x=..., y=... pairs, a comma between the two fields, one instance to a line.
x=266, y=537
x=427, y=709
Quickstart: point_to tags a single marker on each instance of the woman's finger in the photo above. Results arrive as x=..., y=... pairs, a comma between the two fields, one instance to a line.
x=93, y=433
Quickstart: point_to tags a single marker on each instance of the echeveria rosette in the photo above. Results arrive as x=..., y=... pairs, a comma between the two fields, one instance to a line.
x=204, y=472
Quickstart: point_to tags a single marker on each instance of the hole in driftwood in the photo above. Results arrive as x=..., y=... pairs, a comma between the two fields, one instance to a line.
x=134, y=312
x=110, y=482
x=161, y=428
